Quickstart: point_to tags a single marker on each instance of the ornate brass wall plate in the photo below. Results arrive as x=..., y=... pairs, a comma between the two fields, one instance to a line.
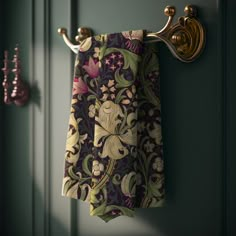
x=186, y=38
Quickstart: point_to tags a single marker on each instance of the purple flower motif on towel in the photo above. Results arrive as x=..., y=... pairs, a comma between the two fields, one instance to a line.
x=79, y=87
x=92, y=68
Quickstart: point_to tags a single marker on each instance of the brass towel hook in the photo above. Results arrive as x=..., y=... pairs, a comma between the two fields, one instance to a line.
x=185, y=39
x=83, y=33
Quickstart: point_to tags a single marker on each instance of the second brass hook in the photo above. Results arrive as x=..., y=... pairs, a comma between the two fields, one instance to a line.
x=83, y=33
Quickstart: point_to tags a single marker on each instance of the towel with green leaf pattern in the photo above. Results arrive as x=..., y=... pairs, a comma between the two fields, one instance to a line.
x=114, y=149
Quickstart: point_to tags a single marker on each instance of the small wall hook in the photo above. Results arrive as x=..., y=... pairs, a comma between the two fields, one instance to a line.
x=20, y=91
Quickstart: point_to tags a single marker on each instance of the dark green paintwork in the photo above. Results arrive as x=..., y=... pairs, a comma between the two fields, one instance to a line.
x=1, y=127
x=231, y=117
x=17, y=182
x=198, y=107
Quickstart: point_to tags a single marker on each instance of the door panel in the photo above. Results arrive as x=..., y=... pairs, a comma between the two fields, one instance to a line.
x=193, y=113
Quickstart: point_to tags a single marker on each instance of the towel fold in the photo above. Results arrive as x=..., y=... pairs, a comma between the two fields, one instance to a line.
x=114, y=149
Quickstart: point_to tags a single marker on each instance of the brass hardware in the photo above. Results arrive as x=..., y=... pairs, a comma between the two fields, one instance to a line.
x=83, y=34
x=185, y=39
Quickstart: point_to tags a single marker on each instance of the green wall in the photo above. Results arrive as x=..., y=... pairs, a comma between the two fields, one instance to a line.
x=17, y=196
x=1, y=127
x=198, y=103
x=230, y=117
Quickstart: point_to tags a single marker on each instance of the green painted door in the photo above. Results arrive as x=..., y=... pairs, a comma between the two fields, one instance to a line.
x=197, y=107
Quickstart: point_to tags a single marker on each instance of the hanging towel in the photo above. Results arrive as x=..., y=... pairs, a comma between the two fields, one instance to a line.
x=114, y=149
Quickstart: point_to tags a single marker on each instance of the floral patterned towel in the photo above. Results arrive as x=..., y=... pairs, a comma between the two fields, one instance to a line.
x=114, y=157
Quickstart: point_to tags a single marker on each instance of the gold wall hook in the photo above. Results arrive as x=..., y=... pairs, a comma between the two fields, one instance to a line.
x=185, y=39
x=83, y=33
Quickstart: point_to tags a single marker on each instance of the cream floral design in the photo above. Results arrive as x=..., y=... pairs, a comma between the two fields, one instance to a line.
x=128, y=184
x=91, y=111
x=108, y=128
x=158, y=164
x=155, y=133
x=131, y=35
x=108, y=91
x=114, y=148
x=97, y=168
x=85, y=45
x=134, y=39
x=74, y=140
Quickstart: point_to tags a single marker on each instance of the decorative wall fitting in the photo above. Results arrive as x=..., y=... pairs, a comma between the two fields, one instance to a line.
x=83, y=33
x=6, y=83
x=185, y=39
x=16, y=91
